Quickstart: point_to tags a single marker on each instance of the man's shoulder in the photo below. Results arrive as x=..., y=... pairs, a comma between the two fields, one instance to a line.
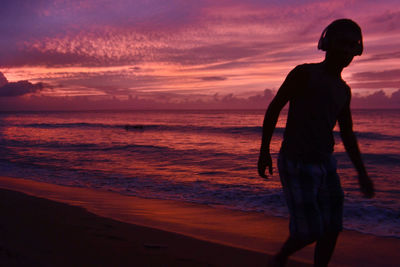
x=302, y=71
x=307, y=66
x=306, y=69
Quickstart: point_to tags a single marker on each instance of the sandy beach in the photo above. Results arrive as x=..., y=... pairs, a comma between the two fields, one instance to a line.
x=50, y=225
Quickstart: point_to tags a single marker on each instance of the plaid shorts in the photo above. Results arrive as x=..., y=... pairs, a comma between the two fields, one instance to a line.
x=314, y=197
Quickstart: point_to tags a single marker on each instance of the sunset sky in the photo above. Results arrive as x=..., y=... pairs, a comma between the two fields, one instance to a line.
x=163, y=54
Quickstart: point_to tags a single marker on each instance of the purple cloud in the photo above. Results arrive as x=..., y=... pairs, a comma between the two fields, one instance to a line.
x=377, y=99
x=213, y=78
x=10, y=89
x=377, y=75
x=3, y=79
x=388, y=20
x=382, y=56
x=168, y=100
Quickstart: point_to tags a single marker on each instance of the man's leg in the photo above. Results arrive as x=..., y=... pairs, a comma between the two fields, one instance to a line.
x=324, y=249
x=291, y=246
x=331, y=206
x=300, y=182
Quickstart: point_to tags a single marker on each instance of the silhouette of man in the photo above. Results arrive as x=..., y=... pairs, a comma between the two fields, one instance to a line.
x=318, y=97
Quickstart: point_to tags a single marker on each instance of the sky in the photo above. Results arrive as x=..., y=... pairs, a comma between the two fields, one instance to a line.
x=145, y=54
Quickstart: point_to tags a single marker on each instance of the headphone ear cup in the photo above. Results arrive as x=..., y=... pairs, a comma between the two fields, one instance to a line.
x=360, y=48
x=320, y=43
x=323, y=42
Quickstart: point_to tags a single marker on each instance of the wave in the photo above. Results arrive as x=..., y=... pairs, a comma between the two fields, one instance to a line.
x=151, y=127
x=375, y=159
x=70, y=125
x=240, y=130
x=376, y=136
x=5, y=144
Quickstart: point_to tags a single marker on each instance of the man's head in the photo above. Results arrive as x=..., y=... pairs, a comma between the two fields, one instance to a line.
x=342, y=39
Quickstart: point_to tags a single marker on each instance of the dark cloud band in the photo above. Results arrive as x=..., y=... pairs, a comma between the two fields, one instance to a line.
x=12, y=89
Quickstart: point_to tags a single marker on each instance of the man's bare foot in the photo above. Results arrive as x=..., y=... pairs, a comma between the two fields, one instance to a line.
x=277, y=261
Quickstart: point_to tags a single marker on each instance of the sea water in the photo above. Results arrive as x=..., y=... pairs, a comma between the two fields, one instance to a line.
x=206, y=157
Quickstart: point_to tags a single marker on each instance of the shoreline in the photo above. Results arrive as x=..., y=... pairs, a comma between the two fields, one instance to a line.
x=41, y=232
x=245, y=232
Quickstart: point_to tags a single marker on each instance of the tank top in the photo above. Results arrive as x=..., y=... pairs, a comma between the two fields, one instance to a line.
x=313, y=112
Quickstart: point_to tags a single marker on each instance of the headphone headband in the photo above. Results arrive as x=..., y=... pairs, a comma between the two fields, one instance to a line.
x=334, y=26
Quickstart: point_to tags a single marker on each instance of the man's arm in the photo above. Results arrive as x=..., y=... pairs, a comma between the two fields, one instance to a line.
x=350, y=144
x=295, y=79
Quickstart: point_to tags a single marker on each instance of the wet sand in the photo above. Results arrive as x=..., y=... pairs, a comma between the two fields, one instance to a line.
x=50, y=225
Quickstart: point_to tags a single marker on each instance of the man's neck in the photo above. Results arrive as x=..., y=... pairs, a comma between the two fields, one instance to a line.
x=332, y=69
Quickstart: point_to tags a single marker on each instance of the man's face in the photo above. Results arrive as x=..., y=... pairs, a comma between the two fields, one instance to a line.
x=342, y=48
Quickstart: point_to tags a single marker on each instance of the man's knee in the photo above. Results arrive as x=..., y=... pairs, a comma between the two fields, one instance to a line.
x=311, y=238
x=305, y=240
x=330, y=235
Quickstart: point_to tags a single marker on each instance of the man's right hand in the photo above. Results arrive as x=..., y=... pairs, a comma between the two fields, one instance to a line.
x=263, y=161
x=366, y=186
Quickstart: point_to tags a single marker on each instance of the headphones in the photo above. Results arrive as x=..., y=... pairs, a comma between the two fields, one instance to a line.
x=333, y=27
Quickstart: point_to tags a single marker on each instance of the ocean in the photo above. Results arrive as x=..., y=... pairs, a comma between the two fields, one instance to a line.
x=205, y=157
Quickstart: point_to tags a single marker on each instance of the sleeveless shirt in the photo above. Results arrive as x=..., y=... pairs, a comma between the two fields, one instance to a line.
x=313, y=112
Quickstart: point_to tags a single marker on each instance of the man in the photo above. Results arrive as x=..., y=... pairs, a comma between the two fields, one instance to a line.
x=318, y=97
